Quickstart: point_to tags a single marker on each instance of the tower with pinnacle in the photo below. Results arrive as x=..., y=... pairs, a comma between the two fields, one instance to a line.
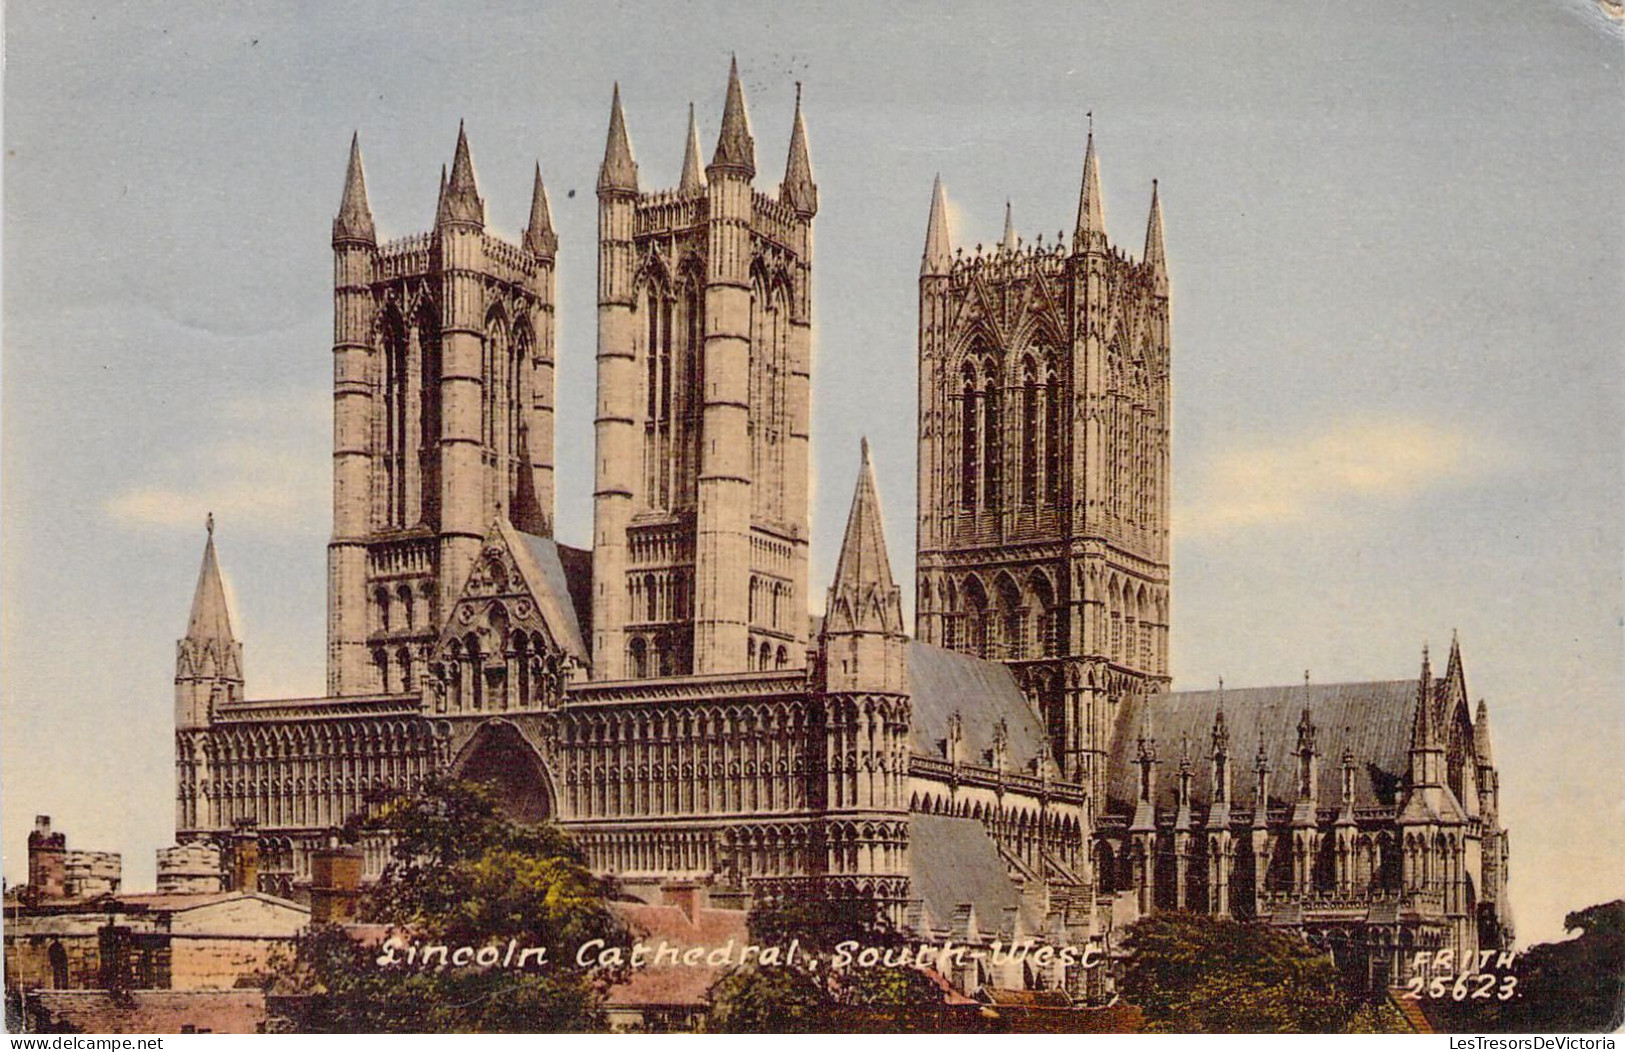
x=442, y=417
x=700, y=520
x=1044, y=413
x=208, y=674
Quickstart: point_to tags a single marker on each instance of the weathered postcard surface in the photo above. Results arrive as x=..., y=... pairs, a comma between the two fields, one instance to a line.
x=977, y=518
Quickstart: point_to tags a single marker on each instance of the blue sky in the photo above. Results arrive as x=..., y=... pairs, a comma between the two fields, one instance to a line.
x=1395, y=240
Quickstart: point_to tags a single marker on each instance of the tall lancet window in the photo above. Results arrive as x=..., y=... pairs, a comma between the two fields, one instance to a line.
x=992, y=443
x=393, y=436
x=659, y=384
x=1029, y=435
x=690, y=400
x=427, y=329
x=769, y=374
x=969, y=443
x=493, y=410
x=1054, y=432
x=518, y=373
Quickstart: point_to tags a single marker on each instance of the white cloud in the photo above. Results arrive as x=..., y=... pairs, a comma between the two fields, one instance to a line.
x=1309, y=479
x=264, y=470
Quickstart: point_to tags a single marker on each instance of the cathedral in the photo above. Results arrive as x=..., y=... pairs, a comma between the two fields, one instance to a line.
x=1016, y=768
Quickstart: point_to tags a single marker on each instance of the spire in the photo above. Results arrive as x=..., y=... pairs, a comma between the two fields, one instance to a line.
x=1481, y=735
x=863, y=567
x=693, y=180
x=1221, y=731
x=1009, y=241
x=798, y=190
x=736, y=150
x=539, y=236
x=461, y=202
x=1155, y=257
x=1090, y=233
x=440, y=201
x=1422, y=722
x=618, y=172
x=939, y=257
x=354, y=221
x=210, y=621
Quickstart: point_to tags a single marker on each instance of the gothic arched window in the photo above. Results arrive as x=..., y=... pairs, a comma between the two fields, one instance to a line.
x=1029, y=435
x=969, y=443
x=992, y=443
x=1054, y=432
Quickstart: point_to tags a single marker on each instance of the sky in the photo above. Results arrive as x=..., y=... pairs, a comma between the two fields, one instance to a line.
x=1396, y=245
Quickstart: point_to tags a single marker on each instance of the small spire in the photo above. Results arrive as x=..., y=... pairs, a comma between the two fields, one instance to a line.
x=440, y=201
x=1481, y=735
x=618, y=173
x=1090, y=233
x=798, y=189
x=539, y=236
x=736, y=149
x=938, y=257
x=693, y=178
x=354, y=221
x=1422, y=722
x=1009, y=229
x=461, y=202
x=210, y=620
x=1155, y=255
x=863, y=581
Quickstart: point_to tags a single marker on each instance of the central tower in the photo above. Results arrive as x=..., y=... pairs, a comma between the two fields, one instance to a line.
x=1043, y=466
x=704, y=341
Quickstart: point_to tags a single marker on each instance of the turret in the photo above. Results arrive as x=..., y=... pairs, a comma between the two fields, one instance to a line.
x=693, y=177
x=1488, y=787
x=723, y=549
x=464, y=505
x=355, y=257
x=208, y=659
x=1308, y=790
x=938, y=258
x=540, y=239
x=619, y=384
x=1089, y=233
x=1155, y=256
x=863, y=626
x=1219, y=808
x=798, y=189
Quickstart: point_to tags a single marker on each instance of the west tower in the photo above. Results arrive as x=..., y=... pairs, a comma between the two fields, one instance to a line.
x=1043, y=465
x=704, y=345
x=442, y=417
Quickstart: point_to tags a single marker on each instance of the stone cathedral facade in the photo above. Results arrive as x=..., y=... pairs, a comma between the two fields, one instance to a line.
x=667, y=698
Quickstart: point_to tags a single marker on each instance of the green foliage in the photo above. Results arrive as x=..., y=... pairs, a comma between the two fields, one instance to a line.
x=811, y=995
x=1573, y=986
x=1191, y=973
x=462, y=874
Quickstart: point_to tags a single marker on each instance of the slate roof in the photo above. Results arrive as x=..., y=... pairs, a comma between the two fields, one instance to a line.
x=560, y=578
x=952, y=862
x=1373, y=719
x=982, y=692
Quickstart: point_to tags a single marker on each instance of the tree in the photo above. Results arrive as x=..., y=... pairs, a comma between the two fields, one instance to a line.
x=1191, y=973
x=1577, y=985
x=462, y=874
x=814, y=995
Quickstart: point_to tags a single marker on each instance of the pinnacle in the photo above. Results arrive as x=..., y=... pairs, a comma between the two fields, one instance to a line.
x=210, y=620
x=461, y=202
x=693, y=178
x=938, y=257
x=863, y=567
x=1155, y=255
x=1090, y=232
x=736, y=149
x=798, y=190
x=618, y=172
x=354, y=221
x=539, y=236
x=1009, y=241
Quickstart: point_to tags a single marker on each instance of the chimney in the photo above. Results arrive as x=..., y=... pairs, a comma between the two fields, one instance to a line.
x=687, y=895
x=335, y=884
x=245, y=856
x=47, y=859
